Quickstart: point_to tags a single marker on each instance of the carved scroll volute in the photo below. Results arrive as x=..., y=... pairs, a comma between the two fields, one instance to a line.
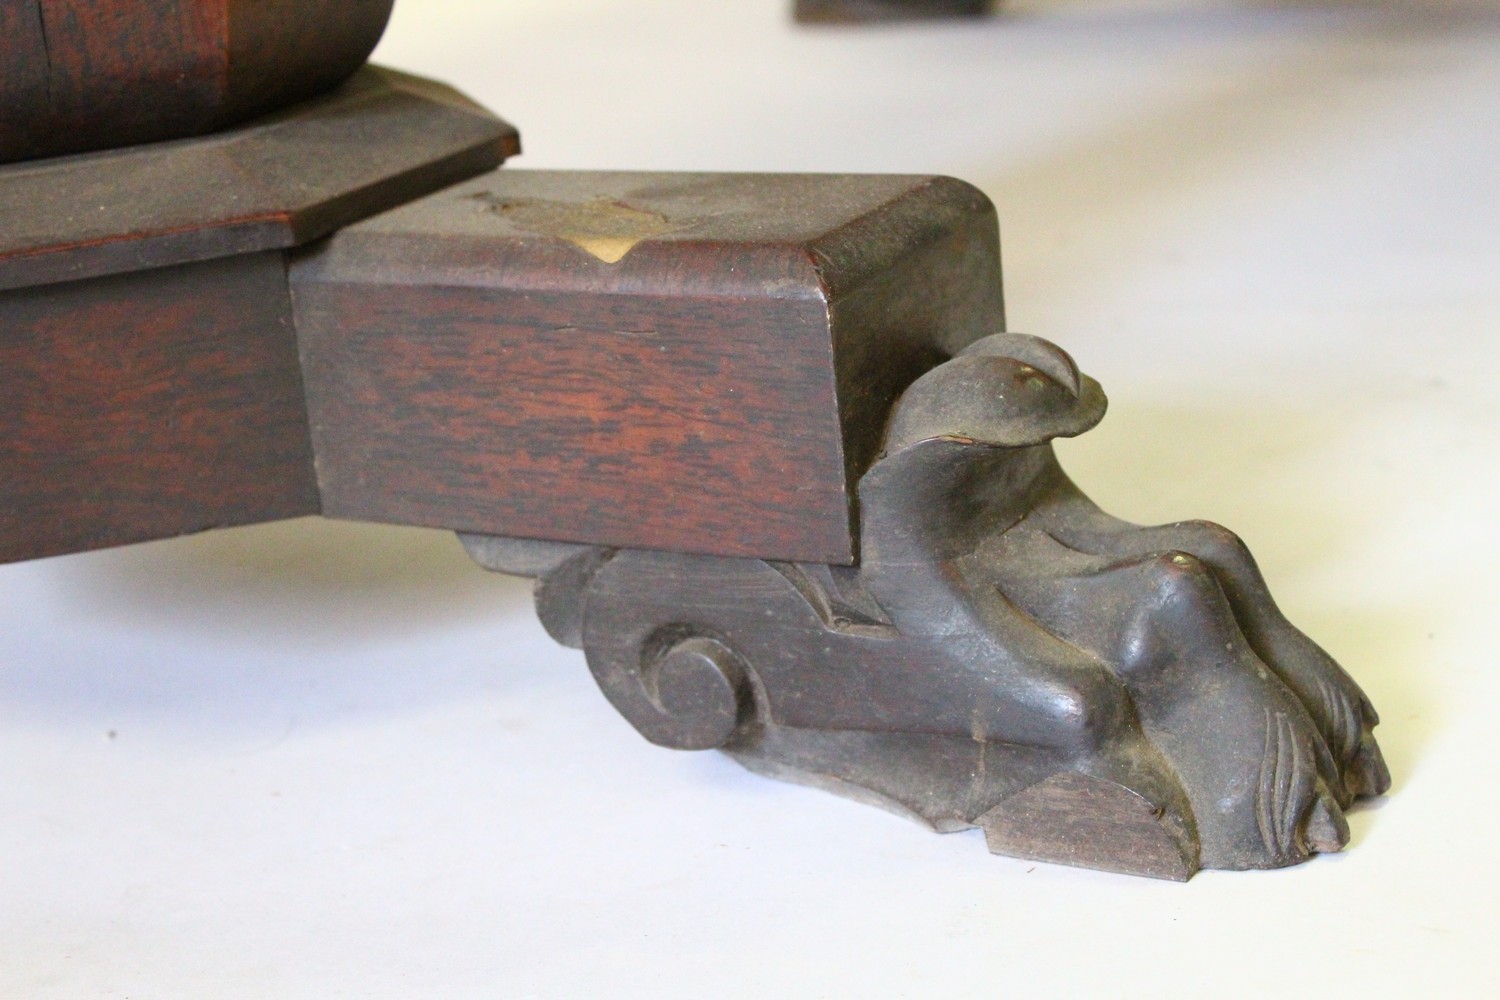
x=697, y=685
x=678, y=684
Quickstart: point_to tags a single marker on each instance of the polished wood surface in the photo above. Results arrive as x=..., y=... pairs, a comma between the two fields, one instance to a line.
x=698, y=362
x=151, y=404
x=381, y=139
x=148, y=363
x=694, y=362
x=78, y=75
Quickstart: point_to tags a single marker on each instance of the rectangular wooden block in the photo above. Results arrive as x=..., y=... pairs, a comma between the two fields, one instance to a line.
x=695, y=362
x=150, y=404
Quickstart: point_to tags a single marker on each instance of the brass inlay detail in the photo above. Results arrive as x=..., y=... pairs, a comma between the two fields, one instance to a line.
x=603, y=227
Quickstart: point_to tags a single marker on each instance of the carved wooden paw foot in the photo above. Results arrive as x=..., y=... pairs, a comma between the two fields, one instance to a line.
x=1004, y=655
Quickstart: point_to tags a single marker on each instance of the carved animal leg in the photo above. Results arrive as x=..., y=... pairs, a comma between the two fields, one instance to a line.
x=796, y=672
x=945, y=675
x=1004, y=654
x=1255, y=766
x=1331, y=696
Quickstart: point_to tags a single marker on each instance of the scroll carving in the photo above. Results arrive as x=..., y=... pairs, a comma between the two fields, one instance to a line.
x=1005, y=655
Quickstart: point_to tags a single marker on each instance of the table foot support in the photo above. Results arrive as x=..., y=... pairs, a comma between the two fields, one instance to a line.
x=1004, y=655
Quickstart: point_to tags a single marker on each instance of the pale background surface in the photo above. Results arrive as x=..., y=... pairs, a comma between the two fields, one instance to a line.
x=321, y=760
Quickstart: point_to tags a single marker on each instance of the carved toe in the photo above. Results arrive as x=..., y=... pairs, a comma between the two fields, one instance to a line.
x=1325, y=830
x=1367, y=774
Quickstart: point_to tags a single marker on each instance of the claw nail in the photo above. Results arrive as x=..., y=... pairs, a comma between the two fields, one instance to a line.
x=1368, y=774
x=1326, y=830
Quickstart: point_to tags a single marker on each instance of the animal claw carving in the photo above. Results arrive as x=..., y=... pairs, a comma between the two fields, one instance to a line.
x=1005, y=655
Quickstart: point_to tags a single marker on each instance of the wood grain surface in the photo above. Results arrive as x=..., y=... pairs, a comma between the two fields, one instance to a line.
x=578, y=417
x=149, y=405
x=697, y=362
x=95, y=74
x=690, y=362
x=381, y=139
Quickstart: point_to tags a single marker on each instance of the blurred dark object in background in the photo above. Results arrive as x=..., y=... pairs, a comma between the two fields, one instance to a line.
x=853, y=11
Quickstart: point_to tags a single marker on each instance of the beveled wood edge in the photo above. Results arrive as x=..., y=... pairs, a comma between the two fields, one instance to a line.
x=269, y=222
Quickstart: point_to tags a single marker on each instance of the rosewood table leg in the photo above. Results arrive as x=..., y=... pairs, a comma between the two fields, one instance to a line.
x=781, y=477
x=760, y=438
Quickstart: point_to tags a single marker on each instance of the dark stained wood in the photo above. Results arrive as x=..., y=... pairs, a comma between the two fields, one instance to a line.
x=983, y=664
x=1088, y=822
x=381, y=139
x=697, y=362
x=575, y=416
x=23, y=77
x=282, y=51
x=95, y=74
x=149, y=405
x=918, y=300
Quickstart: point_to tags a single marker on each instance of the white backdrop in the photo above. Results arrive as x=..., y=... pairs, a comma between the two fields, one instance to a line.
x=324, y=760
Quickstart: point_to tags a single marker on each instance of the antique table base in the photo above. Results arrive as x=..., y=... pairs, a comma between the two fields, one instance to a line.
x=761, y=439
